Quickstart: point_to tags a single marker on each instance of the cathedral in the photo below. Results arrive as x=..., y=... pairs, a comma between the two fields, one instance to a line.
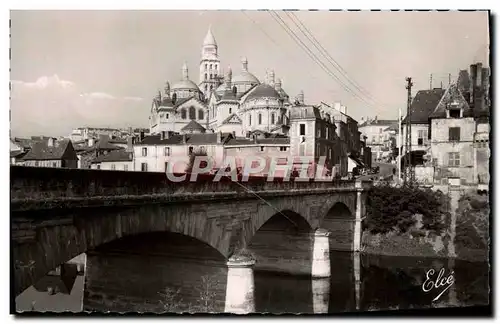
x=239, y=104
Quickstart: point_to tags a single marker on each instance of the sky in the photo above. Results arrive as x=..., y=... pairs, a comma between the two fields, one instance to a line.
x=74, y=69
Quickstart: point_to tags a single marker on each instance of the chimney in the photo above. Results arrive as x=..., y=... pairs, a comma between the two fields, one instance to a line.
x=184, y=138
x=162, y=135
x=473, y=76
x=91, y=141
x=130, y=144
x=479, y=74
x=51, y=141
x=141, y=136
x=376, y=118
x=343, y=109
x=219, y=137
x=337, y=105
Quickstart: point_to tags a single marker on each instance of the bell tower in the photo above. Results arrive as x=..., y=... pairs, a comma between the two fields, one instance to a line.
x=209, y=64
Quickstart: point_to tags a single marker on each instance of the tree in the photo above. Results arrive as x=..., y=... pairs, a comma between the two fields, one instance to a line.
x=392, y=209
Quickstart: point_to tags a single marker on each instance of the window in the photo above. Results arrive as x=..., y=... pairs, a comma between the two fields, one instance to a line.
x=190, y=150
x=36, y=163
x=374, y=139
x=250, y=120
x=166, y=151
x=272, y=118
x=98, y=167
x=206, y=76
x=206, y=65
x=302, y=129
x=166, y=116
x=260, y=118
x=327, y=133
x=201, y=114
x=192, y=113
x=113, y=167
x=454, y=113
x=144, y=151
x=422, y=137
x=380, y=130
x=211, y=87
x=125, y=167
x=454, y=133
x=454, y=159
x=262, y=148
x=211, y=76
x=282, y=148
x=216, y=67
x=54, y=164
x=206, y=85
x=210, y=66
x=183, y=113
x=230, y=110
x=144, y=167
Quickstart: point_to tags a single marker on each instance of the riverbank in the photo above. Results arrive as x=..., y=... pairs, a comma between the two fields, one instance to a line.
x=417, y=244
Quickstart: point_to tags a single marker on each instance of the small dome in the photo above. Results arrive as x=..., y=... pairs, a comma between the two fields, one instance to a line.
x=263, y=90
x=245, y=77
x=185, y=85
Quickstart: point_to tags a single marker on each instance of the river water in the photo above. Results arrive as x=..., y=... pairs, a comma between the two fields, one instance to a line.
x=357, y=283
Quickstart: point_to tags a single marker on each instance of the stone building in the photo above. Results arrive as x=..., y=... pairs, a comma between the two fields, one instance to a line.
x=379, y=136
x=460, y=129
x=51, y=153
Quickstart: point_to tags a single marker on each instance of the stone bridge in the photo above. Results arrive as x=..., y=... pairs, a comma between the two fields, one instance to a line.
x=57, y=214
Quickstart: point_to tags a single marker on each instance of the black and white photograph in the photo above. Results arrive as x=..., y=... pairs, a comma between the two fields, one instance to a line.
x=242, y=162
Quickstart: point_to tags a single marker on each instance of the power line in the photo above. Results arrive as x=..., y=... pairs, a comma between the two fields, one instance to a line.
x=274, y=42
x=327, y=55
x=304, y=47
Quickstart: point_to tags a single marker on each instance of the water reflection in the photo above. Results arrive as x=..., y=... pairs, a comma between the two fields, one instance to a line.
x=358, y=283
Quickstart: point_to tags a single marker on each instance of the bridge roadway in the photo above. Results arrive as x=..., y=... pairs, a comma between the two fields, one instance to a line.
x=57, y=214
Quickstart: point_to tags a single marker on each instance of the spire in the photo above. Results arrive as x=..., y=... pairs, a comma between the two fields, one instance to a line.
x=244, y=62
x=228, y=77
x=209, y=38
x=271, y=78
x=185, y=71
x=167, y=89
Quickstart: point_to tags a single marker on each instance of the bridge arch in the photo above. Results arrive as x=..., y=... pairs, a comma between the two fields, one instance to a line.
x=78, y=233
x=339, y=220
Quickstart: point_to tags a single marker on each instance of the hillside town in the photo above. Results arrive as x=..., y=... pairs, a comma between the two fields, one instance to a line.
x=242, y=116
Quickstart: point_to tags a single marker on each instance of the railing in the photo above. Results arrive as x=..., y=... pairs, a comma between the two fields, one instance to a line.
x=36, y=183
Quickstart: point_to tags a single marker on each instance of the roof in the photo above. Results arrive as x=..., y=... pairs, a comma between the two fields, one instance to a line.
x=114, y=156
x=24, y=142
x=379, y=122
x=263, y=91
x=245, y=77
x=193, y=126
x=209, y=38
x=42, y=151
x=284, y=140
x=232, y=119
x=195, y=139
x=423, y=105
x=297, y=112
x=185, y=84
x=453, y=96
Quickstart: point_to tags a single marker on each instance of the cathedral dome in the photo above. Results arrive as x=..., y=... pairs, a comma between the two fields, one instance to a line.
x=245, y=78
x=263, y=91
x=185, y=85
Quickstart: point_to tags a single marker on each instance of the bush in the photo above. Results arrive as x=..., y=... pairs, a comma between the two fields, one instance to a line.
x=392, y=209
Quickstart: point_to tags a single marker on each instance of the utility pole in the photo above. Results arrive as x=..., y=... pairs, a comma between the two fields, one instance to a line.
x=400, y=144
x=430, y=83
x=449, y=79
x=408, y=169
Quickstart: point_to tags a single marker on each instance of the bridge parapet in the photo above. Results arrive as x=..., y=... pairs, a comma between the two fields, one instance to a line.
x=45, y=184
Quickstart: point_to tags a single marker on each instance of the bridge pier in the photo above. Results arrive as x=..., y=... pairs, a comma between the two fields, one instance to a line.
x=240, y=288
x=357, y=221
x=357, y=278
x=321, y=295
x=321, y=255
